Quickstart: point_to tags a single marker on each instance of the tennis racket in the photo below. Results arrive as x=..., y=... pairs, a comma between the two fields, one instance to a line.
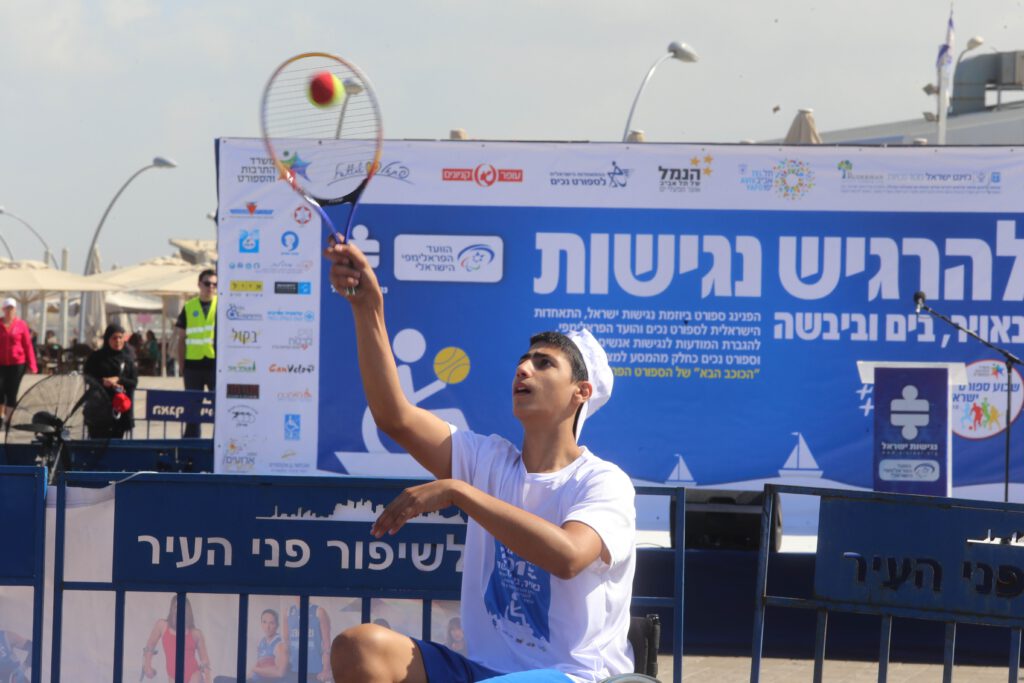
x=322, y=128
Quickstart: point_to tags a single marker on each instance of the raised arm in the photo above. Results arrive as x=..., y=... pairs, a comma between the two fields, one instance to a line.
x=426, y=437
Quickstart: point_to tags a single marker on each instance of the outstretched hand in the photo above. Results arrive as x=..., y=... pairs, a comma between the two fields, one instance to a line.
x=351, y=272
x=412, y=502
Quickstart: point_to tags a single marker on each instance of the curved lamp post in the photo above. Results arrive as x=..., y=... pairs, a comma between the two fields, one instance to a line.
x=5, y=212
x=158, y=162
x=676, y=50
x=7, y=247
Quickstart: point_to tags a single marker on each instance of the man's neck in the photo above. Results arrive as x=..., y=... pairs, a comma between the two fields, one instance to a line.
x=205, y=299
x=549, y=450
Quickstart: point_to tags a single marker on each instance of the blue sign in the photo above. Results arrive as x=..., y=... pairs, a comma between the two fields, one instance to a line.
x=911, y=442
x=238, y=531
x=179, y=406
x=965, y=558
x=734, y=335
x=22, y=494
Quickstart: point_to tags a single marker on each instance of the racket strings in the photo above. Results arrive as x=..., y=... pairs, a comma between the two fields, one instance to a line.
x=328, y=147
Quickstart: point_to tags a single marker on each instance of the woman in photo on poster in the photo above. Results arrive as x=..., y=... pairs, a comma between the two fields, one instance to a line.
x=197, y=660
x=271, y=652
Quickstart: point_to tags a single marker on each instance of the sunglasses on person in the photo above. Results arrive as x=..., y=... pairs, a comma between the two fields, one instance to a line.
x=208, y=283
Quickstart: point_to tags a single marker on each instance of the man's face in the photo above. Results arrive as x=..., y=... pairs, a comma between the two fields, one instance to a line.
x=208, y=287
x=543, y=384
x=269, y=624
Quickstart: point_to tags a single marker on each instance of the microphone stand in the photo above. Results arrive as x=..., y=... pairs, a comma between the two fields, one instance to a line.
x=1010, y=361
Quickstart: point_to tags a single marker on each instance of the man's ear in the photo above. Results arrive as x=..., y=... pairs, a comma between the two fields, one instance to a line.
x=584, y=389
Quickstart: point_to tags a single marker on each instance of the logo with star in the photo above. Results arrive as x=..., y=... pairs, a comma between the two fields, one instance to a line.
x=294, y=164
x=792, y=179
x=702, y=163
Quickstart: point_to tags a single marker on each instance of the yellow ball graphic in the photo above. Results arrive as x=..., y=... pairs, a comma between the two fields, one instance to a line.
x=451, y=365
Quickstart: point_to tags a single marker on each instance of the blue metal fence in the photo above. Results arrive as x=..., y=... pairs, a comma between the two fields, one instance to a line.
x=288, y=536
x=896, y=555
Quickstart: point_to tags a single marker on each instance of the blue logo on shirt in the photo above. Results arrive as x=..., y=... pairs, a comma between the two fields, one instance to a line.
x=518, y=597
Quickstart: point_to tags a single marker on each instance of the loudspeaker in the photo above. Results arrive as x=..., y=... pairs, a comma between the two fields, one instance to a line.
x=727, y=520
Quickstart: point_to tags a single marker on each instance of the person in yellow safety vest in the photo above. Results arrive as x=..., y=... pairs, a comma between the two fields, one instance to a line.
x=197, y=340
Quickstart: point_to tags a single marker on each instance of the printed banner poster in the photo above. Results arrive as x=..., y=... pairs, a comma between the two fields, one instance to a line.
x=734, y=288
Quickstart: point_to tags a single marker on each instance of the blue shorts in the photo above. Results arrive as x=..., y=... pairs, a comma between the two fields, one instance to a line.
x=444, y=665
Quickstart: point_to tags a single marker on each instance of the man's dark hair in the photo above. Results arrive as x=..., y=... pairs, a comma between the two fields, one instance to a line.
x=566, y=346
x=206, y=273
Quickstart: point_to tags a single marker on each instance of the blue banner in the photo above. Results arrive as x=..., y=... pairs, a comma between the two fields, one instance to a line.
x=241, y=532
x=179, y=406
x=911, y=443
x=952, y=558
x=727, y=374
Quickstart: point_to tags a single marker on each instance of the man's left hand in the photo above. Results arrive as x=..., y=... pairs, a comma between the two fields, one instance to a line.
x=414, y=501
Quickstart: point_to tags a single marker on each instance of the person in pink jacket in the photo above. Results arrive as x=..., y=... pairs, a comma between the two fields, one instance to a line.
x=16, y=354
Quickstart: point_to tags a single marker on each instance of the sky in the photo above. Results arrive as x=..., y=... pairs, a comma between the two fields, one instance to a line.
x=91, y=91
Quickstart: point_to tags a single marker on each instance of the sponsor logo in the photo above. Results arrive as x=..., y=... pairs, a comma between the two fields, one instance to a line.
x=792, y=179
x=278, y=267
x=246, y=365
x=242, y=391
x=248, y=286
x=292, y=427
x=242, y=416
x=395, y=170
x=249, y=241
x=251, y=210
x=295, y=396
x=258, y=170
x=238, y=463
x=294, y=164
x=302, y=214
x=168, y=411
x=238, y=312
x=300, y=341
x=292, y=368
x=686, y=178
x=290, y=241
x=244, y=338
x=293, y=288
x=848, y=176
x=484, y=175
x=291, y=316
x=979, y=407
x=615, y=178
x=449, y=258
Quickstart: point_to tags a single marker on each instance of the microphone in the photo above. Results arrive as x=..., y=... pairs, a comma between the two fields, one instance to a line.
x=919, y=299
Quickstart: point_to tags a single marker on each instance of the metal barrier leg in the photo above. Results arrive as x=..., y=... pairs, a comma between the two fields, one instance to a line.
x=1014, y=655
x=884, y=640
x=947, y=654
x=819, y=645
x=243, y=620
x=762, y=589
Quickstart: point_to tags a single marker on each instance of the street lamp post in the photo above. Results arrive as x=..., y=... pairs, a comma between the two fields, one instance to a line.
x=10, y=253
x=158, y=162
x=676, y=50
x=49, y=252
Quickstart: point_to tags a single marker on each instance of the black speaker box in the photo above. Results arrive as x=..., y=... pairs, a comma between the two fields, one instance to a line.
x=727, y=520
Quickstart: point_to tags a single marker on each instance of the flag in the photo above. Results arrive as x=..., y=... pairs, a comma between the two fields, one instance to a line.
x=945, y=57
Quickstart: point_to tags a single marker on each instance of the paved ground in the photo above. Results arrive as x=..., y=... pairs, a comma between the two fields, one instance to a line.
x=736, y=669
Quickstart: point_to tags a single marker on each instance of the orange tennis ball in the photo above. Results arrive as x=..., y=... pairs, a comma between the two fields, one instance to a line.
x=451, y=365
x=325, y=90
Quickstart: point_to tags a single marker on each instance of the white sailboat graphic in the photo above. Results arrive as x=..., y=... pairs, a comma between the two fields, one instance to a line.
x=680, y=473
x=800, y=462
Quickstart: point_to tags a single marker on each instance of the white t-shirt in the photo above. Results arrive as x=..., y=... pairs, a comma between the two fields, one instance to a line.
x=516, y=616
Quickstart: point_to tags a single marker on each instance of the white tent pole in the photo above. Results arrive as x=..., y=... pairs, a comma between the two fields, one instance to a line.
x=64, y=302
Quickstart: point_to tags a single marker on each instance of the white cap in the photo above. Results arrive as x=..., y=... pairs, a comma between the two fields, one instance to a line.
x=599, y=374
x=9, y=303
